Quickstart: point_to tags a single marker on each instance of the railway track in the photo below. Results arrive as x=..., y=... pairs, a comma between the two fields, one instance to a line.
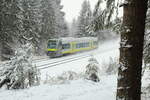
x=70, y=59
x=59, y=62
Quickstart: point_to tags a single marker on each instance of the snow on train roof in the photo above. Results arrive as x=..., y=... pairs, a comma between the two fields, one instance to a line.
x=71, y=39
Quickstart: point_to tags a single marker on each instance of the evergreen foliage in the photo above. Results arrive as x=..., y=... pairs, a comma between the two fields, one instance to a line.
x=148, y=16
x=92, y=70
x=147, y=38
x=11, y=26
x=112, y=66
x=32, y=20
x=36, y=19
x=147, y=49
x=19, y=73
x=84, y=19
x=102, y=19
x=73, y=28
x=61, y=26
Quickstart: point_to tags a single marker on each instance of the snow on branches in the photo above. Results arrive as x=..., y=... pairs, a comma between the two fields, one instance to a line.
x=92, y=70
x=19, y=73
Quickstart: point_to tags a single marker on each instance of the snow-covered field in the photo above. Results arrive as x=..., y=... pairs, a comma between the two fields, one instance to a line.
x=79, y=89
x=73, y=90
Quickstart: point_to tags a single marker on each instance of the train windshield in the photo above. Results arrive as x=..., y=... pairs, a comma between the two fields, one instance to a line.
x=52, y=44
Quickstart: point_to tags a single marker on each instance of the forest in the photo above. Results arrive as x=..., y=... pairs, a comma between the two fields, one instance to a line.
x=27, y=25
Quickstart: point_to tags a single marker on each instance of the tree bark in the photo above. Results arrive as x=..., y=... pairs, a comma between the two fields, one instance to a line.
x=131, y=50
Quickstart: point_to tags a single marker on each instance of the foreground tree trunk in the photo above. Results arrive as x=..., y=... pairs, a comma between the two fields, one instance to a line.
x=131, y=50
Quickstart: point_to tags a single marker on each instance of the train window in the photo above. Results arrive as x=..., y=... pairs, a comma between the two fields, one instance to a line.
x=77, y=45
x=66, y=46
x=86, y=44
x=82, y=45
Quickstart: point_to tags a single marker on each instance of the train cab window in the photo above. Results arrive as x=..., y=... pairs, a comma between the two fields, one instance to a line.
x=65, y=46
x=52, y=44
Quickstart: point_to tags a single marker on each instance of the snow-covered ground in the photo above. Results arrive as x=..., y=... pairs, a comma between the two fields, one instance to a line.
x=74, y=90
x=79, y=89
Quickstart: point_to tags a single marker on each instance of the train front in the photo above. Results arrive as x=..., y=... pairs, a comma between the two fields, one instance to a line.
x=53, y=48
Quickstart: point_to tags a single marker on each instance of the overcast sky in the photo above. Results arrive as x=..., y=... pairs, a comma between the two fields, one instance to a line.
x=72, y=8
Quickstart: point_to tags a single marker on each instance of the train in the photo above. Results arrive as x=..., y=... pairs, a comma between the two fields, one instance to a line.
x=63, y=46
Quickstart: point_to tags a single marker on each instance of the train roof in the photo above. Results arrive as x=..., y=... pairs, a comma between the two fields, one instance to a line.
x=72, y=39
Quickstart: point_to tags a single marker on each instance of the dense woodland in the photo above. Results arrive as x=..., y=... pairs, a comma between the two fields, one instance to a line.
x=40, y=20
x=25, y=19
x=36, y=21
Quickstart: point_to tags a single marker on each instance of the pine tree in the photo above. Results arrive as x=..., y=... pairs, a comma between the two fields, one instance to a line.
x=98, y=21
x=101, y=23
x=48, y=21
x=32, y=20
x=92, y=70
x=84, y=20
x=147, y=38
x=36, y=19
x=64, y=30
x=73, y=28
x=98, y=17
x=19, y=73
x=1, y=2
x=53, y=23
x=61, y=25
x=11, y=26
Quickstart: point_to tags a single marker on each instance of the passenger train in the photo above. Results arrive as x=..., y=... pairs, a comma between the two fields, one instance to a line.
x=69, y=45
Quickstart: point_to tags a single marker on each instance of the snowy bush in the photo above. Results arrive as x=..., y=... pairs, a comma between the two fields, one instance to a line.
x=65, y=77
x=110, y=67
x=19, y=72
x=146, y=87
x=91, y=73
x=92, y=70
x=145, y=93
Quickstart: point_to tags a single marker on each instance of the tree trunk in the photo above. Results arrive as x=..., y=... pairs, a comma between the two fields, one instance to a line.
x=131, y=50
x=0, y=50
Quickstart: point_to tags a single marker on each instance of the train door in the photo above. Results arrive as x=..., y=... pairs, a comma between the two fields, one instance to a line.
x=59, y=47
x=91, y=44
x=73, y=47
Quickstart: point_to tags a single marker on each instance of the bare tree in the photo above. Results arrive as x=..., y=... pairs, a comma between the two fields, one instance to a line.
x=131, y=50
